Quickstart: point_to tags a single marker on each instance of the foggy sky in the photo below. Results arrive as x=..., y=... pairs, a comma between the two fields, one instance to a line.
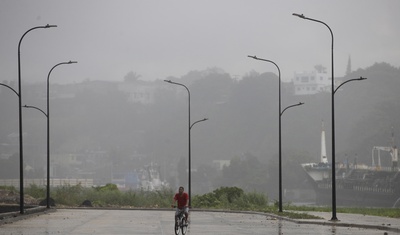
x=157, y=39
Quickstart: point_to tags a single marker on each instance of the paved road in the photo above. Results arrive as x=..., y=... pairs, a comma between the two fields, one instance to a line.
x=80, y=222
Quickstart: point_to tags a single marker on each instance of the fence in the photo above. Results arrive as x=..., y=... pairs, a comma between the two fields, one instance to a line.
x=43, y=182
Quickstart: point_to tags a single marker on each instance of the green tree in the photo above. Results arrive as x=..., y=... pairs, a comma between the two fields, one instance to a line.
x=131, y=77
x=246, y=172
x=320, y=68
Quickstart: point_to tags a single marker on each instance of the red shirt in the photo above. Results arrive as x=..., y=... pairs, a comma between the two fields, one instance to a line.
x=182, y=199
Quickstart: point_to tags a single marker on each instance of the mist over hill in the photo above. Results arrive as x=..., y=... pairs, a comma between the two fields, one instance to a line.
x=121, y=126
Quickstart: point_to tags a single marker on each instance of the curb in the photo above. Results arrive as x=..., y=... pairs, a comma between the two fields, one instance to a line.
x=10, y=217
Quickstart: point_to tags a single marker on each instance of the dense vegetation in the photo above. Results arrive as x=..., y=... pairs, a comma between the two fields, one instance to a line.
x=224, y=198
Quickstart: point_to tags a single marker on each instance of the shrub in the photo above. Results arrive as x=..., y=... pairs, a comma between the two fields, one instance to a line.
x=107, y=187
x=231, y=193
x=8, y=188
x=110, y=196
x=36, y=191
x=68, y=195
x=231, y=198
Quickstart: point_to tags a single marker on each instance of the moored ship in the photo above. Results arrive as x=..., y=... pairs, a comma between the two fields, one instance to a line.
x=357, y=185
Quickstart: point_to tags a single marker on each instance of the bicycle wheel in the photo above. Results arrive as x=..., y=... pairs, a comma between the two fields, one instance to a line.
x=184, y=226
x=177, y=227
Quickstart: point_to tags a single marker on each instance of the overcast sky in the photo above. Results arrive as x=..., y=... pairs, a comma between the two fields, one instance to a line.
x=157, y=39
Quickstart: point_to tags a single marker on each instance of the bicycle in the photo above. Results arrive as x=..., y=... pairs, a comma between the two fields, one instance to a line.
x=181, y=225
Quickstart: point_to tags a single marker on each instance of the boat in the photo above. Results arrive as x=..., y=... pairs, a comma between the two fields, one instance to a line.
x=356, y=184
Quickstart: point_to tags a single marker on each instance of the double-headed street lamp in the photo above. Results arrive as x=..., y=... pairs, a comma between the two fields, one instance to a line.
x=189, y=136
x=280, y=127
x=48, y=128
x=189, y=146
x=21, y=156
x=334, y=218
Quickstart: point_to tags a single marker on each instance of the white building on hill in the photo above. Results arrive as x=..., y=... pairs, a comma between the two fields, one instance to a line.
x=308, y=83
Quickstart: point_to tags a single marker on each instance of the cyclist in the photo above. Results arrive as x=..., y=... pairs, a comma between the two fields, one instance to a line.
x=183, y=204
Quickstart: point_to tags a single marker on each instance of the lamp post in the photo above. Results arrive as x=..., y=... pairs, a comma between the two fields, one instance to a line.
x=280, y=128
x=334, y=218
x=48, y=129
x=189, y=146
x=21, y=156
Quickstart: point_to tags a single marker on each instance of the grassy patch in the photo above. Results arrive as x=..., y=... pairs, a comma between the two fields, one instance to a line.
x=229, y=198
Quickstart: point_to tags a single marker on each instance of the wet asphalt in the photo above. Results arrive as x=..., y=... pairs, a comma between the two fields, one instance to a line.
x=103, y=221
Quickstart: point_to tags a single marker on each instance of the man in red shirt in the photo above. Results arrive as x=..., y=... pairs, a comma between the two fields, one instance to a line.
x=183, y=203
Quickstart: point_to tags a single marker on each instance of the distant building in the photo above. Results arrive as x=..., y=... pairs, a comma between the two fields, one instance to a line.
x=308, y=83
x=219, y=164
x=139, y=91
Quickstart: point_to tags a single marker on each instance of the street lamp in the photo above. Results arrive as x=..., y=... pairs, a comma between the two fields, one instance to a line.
x=189, y=136
x=21, y=156
x=280, y=128
x=48, y=129
x=334, y=218
x=189, y=147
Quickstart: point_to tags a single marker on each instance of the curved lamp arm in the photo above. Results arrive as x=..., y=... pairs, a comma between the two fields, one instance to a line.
x=33, y=107
x=1, y=84
x=256, y=58
x=69, y=62
x=290, y=106
x=202, y=120
x=350, y=80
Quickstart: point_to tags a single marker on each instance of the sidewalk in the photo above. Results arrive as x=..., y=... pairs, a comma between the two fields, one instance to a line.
x=353, y=220
x=344, y=220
